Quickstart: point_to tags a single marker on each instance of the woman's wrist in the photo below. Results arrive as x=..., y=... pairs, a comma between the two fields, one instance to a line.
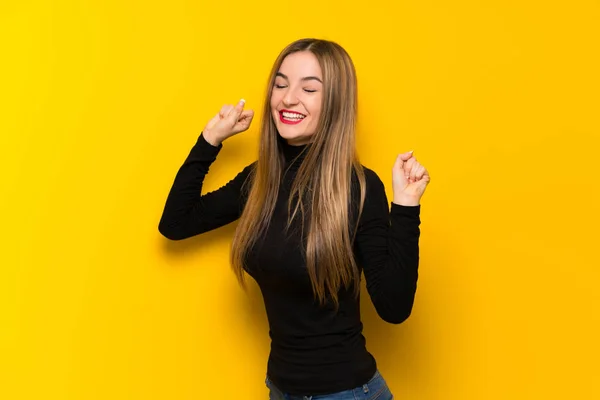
x=210, y=139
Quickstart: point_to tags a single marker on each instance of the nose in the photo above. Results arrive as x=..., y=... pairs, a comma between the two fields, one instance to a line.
x=290, y=97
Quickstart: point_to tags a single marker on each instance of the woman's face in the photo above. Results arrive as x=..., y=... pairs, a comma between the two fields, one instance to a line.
x=296, y=97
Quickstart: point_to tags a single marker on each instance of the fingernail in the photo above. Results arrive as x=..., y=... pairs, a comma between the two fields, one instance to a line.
x=411, y=151
x=242, y=101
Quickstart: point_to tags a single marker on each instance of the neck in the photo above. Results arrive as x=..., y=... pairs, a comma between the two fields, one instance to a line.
x=291, y=151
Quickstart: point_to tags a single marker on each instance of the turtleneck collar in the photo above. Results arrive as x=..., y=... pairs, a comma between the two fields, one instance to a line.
x=291, y=152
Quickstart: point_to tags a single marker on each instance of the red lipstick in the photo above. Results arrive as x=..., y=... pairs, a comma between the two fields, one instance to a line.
x=290, y=121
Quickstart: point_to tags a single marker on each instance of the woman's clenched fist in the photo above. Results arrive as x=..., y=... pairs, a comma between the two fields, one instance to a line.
x=230, y=121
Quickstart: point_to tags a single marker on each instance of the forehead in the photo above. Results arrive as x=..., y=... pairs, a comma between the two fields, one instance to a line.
x=300, y=64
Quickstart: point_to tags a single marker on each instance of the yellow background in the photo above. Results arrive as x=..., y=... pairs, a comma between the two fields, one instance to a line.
x=102, y=100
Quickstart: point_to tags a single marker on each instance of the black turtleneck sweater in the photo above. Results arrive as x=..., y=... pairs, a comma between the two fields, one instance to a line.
x=314, y=349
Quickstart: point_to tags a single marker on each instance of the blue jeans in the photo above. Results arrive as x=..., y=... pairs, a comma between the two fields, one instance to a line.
x=376, y=388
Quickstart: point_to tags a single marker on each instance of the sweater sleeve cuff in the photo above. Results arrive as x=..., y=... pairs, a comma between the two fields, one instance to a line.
x=204, y=145
x=409, y=211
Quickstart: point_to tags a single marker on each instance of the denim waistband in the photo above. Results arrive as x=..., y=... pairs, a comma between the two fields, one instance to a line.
x=375, y=388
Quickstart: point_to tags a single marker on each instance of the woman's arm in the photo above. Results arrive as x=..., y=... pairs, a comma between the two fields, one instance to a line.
x=188, y=213
x=387, y=248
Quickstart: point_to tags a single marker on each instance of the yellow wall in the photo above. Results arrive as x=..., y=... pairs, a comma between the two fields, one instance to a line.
x=101, y=102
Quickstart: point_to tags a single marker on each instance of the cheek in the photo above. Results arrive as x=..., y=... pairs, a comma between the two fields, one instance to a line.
x=315, y=108
x=275, y=100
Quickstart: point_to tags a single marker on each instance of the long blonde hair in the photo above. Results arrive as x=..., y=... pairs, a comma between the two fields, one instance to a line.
x=322, y=185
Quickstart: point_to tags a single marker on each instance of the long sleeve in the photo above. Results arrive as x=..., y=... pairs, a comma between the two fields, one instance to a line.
x=387, y=247
x=188, y=213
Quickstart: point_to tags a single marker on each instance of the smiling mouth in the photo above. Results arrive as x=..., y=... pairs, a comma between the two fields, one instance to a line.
x=290, y=117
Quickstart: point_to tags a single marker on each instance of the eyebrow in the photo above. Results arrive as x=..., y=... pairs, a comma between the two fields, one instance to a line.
x=306, y=78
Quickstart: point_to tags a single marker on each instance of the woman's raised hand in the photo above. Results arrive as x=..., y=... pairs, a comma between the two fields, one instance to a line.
x=230, y=121
x=409, y=180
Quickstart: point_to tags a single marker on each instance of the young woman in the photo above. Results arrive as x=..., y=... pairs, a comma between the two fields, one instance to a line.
x=312, y=219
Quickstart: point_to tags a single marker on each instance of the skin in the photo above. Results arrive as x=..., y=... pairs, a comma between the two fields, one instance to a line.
x=298, y=89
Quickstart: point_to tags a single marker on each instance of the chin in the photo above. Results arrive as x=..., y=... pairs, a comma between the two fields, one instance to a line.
x=286, y=134
x=296, y=134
